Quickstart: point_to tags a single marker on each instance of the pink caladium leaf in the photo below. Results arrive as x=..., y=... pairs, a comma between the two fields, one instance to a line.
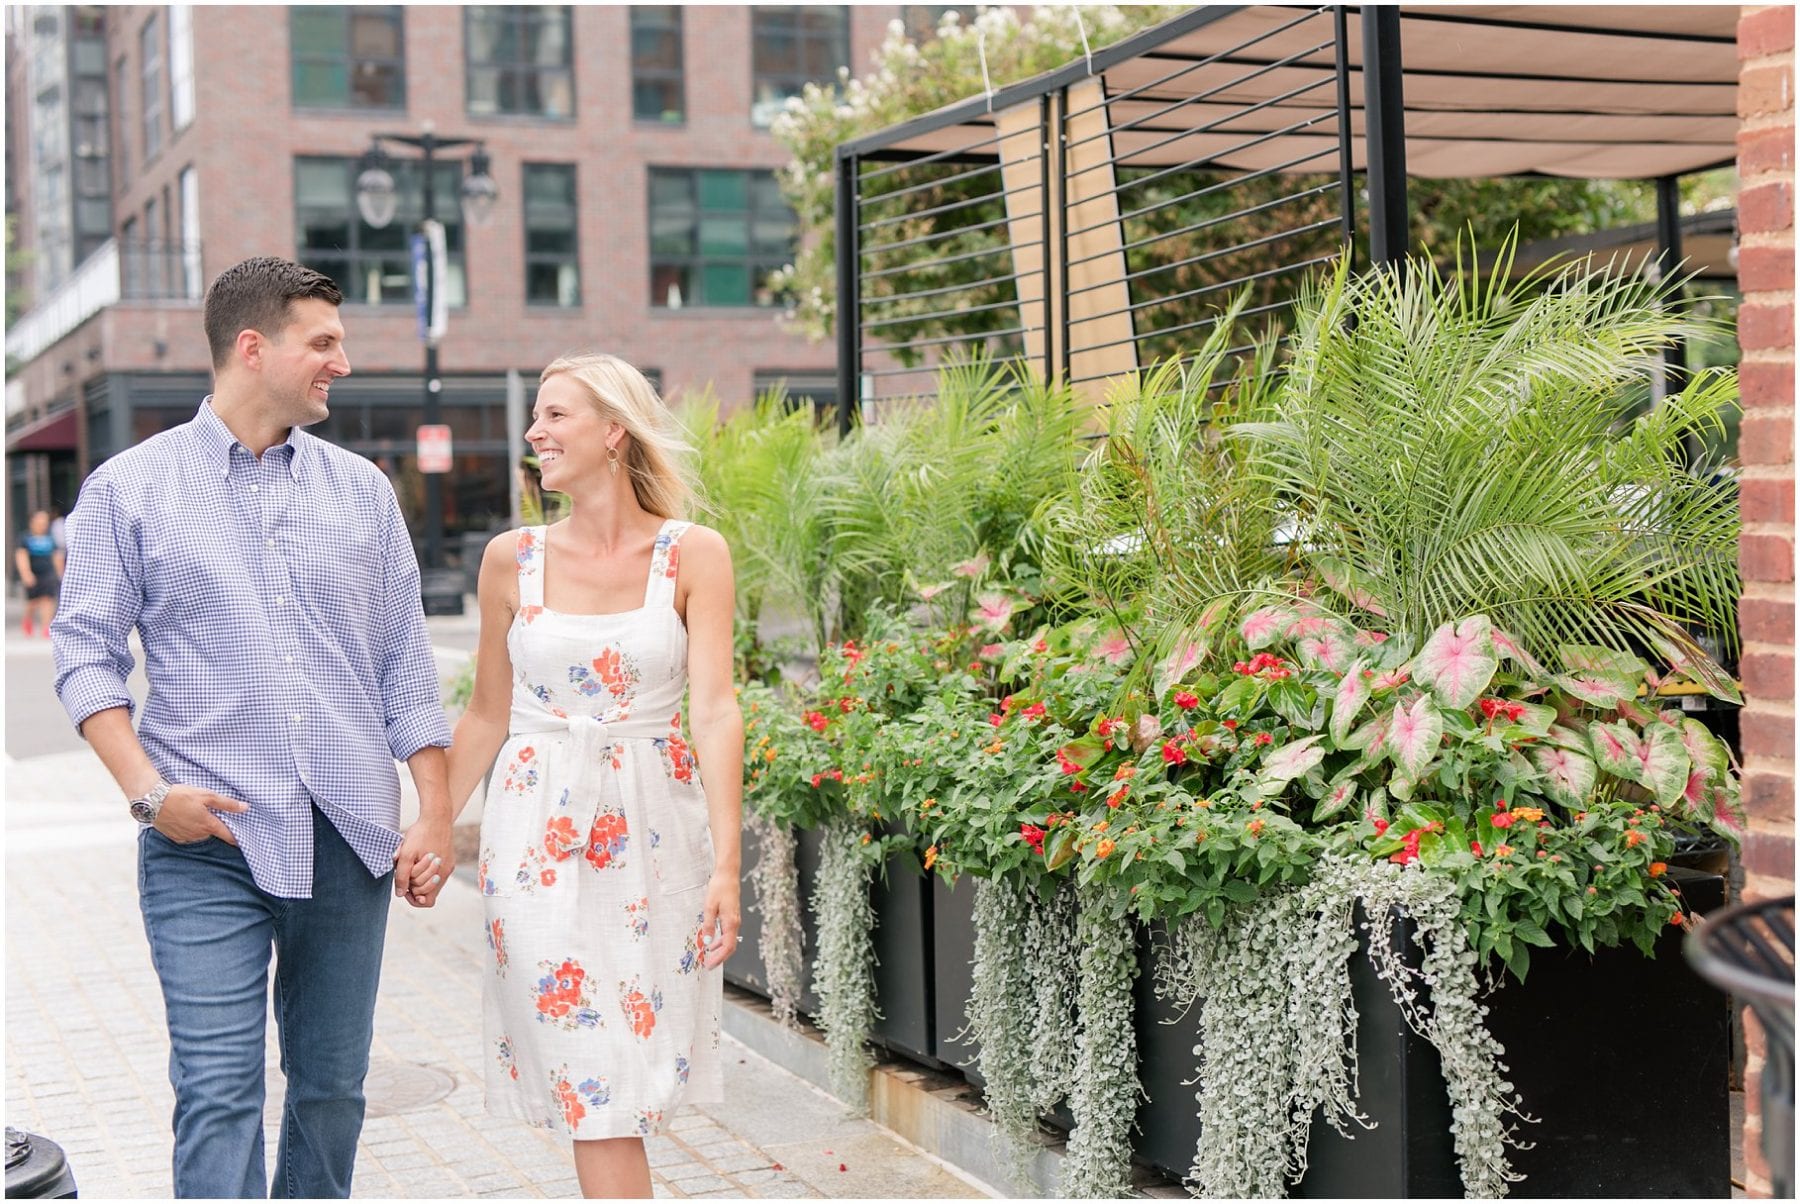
x=1263, y=626
x=993, y=611
x=974, y=567
x=1458, y=661
x=1615, y=749
x=1351, y=584
x=1352, y=693
x=1569, y=776
x=1694, y=793
x=928, y=592
x=1597, y=691
x=1113, y=648
x=1388, y=681
x=1371, y=737
x=1662, y=763
x=1703, y=748
x=1508, y=647
x=1337, y=799
x=1304, y=626
x=1328, y=650
x=1414, y=736
x=1182, y=660
x=1288, y=762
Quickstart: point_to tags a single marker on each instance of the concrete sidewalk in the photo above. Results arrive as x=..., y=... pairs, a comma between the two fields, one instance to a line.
x=87, y=1050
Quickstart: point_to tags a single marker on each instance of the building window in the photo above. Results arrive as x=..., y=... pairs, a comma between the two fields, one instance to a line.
x=715, y=237
x=813, y=389
x=656, y=84
x=792, y=45
x=552, y=274
x=150, y=69
x=190, y=234
x=122, y=148
x=347, y=58
x=181, y=66
x=922, y=20
x=520, y=60
x=374, y=267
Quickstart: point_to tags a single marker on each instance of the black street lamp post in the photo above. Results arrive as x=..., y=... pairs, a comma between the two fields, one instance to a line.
x=376, y=198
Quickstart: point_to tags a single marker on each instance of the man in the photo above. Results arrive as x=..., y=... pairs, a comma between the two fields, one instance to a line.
x=274, y=586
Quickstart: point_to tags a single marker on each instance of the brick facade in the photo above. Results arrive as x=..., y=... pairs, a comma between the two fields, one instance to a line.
x=246, y=135
x=1766, y=551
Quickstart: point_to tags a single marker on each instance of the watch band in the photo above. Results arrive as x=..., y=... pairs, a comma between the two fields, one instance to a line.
x=145, y=808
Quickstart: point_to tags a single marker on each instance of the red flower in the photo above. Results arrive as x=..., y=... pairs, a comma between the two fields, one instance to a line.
x=1040, y=646
x=1171, y=752
x=1077, y=787
x=1065, y=763
x=1381, y=827
x=1264, y=738
x=996, y=719
x=1503, y=819
x=1118, y=796
x=1475, y=847
x=1036, y=710
x=1034, y=836
x=1186, y=701
x=816, y=779
x=815, y=720
x=1231, y=725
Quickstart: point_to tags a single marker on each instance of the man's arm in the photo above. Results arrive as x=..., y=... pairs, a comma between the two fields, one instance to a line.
x=22, y=559
x=91, y=638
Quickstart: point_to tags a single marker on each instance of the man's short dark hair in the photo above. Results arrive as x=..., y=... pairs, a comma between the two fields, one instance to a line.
x=256, y=295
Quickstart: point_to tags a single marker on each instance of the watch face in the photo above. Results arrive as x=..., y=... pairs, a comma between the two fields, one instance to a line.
x=142, y=811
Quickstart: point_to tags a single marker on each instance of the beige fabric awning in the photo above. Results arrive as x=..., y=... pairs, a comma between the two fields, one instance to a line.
x=1595, y=92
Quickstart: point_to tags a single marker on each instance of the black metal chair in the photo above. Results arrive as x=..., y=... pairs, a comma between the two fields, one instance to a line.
x=1748, y=952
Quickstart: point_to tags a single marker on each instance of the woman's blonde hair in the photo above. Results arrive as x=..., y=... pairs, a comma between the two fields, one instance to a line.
x=657, y=459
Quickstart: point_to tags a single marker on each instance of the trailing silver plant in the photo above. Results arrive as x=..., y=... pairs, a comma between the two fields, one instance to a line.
x=1001, y=1011
x=844, y=972
x=1053, y=964
x=775, y=880
x=1105, y=1093
x=1278, y=1025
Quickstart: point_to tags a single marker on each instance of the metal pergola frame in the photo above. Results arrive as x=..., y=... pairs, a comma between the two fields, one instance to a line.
x=1043, y=294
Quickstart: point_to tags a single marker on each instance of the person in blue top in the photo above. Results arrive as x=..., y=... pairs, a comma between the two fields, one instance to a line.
x=40, y=564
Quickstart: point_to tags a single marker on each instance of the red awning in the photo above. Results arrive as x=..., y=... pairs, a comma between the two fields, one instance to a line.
x=58, y=432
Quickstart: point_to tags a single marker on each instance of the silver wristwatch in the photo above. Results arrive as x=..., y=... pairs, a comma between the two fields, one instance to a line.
x=145, y=809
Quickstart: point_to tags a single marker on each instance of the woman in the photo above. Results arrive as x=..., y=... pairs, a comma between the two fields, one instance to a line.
x=610, y=877
x=40, y=564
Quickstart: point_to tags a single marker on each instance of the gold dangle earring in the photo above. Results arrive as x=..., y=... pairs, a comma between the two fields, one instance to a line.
x=612, y=460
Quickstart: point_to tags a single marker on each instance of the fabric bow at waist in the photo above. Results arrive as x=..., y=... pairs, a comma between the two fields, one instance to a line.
x=591, y=736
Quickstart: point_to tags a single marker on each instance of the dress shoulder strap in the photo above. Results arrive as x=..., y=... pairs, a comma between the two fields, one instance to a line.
x=665, y=562
x=531, y=566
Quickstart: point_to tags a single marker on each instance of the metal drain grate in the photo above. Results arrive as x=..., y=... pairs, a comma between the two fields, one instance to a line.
x=394, y=1087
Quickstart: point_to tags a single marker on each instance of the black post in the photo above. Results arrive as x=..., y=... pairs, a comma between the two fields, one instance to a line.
x=1668, y=256
x=1384, y=117
x=849, y=303
x=1340, y=28
x=434, y=481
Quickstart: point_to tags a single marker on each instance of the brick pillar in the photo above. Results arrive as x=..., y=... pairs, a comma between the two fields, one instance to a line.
x=1766, y=547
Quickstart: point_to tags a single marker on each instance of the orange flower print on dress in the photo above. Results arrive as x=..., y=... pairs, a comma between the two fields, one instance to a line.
x=637, y=914
x=665, y=556
x=613, y=672
x=694, y=952
x=521, y=774
x=607, y=840
x=567, y=1098
x=677, y=754
x=562, y=996
x=497, y=942
x=649, y=1121
x=561, y=840
x=504, y=1056
x=640, y=1009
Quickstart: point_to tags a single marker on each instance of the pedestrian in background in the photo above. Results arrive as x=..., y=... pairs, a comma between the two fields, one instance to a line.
x=609, y=873
x=274, y=586
x=40, y=563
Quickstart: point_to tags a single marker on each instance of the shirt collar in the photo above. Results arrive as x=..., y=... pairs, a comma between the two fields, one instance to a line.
x=216, y=441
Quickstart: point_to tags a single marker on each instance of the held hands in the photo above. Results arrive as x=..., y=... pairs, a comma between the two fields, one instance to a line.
x=719, y=922
x=424, y=862
x=186, y=816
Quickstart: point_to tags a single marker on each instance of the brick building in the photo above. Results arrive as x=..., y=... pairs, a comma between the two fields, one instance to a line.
x=1766, y=551
x=637, y=209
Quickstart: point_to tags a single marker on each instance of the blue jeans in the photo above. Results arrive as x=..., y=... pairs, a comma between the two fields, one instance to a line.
x=211, y=930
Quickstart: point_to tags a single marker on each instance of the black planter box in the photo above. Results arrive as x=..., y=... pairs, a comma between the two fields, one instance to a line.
x=1623, y=1060
x=1168, y=1123
x=745, y=967
x=953, y=971
x=904, y=965
x=809, y=850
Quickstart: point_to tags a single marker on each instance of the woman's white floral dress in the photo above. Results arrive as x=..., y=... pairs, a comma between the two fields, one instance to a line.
x=595, y=856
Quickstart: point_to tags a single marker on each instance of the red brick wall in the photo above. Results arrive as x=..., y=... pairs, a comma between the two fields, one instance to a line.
x=1766, y=550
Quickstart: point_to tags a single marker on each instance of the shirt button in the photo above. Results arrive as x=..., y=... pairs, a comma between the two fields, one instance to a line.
x=299, y=718
x=268, y=543
x=288, y=659
x=255, y=488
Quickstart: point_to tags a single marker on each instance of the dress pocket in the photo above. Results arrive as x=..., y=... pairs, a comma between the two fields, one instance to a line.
x=681, y=840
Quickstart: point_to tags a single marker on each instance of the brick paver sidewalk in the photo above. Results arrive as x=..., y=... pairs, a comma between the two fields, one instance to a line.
x=87, y=1051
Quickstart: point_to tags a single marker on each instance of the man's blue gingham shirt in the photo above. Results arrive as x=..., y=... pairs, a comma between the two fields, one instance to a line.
x=284, y=640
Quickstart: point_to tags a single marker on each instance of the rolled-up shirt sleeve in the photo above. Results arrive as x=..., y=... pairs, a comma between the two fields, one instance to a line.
x=412, y=705
x=102, y=595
